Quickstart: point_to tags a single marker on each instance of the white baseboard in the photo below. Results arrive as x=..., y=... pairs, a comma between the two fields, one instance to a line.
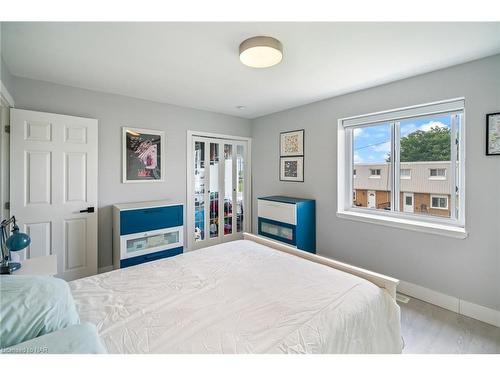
x=431, y=296
x=105, y=269
x=472, y=310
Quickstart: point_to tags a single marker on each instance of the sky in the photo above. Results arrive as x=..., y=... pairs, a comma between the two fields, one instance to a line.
x=372, y=144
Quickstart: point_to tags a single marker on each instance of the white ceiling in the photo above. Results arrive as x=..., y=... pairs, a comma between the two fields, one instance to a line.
x=197, y=65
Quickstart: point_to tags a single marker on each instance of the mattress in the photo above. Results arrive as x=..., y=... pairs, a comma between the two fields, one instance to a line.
x=238, y=297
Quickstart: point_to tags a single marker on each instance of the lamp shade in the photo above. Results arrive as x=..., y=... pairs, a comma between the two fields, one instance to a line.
x=261, y=52
x=18, y=241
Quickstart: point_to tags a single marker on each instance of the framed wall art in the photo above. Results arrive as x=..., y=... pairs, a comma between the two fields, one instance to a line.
x=292, y=156
x=292, y=169
x=292, y=143
x=493, y=133
x=143, y=153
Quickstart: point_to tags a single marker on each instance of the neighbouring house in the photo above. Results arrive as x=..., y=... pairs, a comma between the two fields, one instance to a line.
x=425, y=187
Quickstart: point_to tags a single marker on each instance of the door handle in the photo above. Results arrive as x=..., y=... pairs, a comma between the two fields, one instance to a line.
x=89, y=210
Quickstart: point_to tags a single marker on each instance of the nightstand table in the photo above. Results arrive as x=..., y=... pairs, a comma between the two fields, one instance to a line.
x=39, y=266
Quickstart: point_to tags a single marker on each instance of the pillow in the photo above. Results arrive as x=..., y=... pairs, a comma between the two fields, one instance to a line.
x=78, y=338
x=31, y=306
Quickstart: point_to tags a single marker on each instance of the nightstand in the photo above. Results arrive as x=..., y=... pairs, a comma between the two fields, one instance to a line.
x=289, y=220
x=39, y=266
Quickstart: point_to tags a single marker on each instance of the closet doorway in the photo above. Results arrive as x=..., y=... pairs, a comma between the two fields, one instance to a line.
x=218, y=189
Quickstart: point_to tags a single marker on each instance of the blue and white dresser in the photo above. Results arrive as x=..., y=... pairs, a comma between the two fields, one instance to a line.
x=146, y=231
x=289, y=220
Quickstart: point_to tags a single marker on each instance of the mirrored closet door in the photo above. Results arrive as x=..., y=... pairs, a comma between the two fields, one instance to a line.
x=218, y=191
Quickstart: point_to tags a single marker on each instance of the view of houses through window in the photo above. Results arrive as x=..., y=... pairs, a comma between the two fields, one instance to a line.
x=425, y=179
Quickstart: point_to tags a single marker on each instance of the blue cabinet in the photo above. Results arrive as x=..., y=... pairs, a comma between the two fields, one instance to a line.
x=146, y=231
x=289, y=220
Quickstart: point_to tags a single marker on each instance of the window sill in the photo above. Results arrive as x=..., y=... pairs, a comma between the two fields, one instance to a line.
x=396, y=222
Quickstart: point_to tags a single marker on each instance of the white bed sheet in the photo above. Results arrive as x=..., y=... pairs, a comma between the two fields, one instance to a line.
x=238, y=297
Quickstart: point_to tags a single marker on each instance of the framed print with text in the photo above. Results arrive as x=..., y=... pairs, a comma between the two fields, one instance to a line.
x=143, y=153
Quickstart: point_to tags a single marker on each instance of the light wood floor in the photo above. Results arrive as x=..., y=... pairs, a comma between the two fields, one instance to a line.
x=428, y=328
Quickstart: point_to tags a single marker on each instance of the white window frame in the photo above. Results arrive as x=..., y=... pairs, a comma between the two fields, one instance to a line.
x=440, y=197
x=454, y=226
x=406, y=177
x=437, y=176
x=375, y=175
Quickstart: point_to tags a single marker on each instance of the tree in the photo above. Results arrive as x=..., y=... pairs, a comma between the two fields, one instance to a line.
x=432, y=145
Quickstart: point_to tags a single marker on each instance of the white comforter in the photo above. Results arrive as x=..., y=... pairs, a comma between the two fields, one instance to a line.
x=238, y=297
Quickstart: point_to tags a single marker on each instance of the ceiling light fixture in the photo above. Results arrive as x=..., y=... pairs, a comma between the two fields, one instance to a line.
x=261, y=52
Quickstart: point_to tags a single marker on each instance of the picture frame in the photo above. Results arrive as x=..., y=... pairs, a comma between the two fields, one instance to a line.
x=493, y=134
x=292, y=169
x=292, y=143
x=143, y=155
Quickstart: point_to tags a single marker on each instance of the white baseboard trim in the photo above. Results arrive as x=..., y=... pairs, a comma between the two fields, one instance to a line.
x=431, y=296
x=105, y=269
x=455, y=304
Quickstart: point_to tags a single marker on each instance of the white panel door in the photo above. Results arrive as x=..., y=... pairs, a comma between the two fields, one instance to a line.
x=372, y=201
x=53, y=178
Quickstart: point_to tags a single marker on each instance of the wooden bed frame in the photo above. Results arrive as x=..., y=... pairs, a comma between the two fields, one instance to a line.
x=388, y=283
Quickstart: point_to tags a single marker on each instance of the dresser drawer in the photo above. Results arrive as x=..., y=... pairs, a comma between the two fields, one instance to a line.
x=147, y=219
x=277, y=231
x=150, y=257
x=277, y=211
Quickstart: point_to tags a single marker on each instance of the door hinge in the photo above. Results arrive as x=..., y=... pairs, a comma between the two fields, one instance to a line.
x=7, y=128
x=6, y=205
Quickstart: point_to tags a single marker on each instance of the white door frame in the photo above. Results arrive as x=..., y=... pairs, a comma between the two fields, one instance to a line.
x=247, y=224
x=406, y=194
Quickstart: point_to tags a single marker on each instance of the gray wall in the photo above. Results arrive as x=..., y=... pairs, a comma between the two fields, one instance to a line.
x=113, y=112
x=468, y=269
x=5, y=76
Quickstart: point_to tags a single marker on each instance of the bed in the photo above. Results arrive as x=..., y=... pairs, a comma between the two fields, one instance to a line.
x=248, y=296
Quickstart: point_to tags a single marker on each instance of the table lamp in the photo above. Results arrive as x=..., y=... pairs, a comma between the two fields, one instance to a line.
x=15, y=242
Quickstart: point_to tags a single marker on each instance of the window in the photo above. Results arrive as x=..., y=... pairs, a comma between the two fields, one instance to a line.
x=437, y=173
x=369, y=161
x=405, y=173
x=413, y=158
x=439, y=202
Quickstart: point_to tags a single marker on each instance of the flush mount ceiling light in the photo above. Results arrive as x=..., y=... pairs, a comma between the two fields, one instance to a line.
x=261, y=52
